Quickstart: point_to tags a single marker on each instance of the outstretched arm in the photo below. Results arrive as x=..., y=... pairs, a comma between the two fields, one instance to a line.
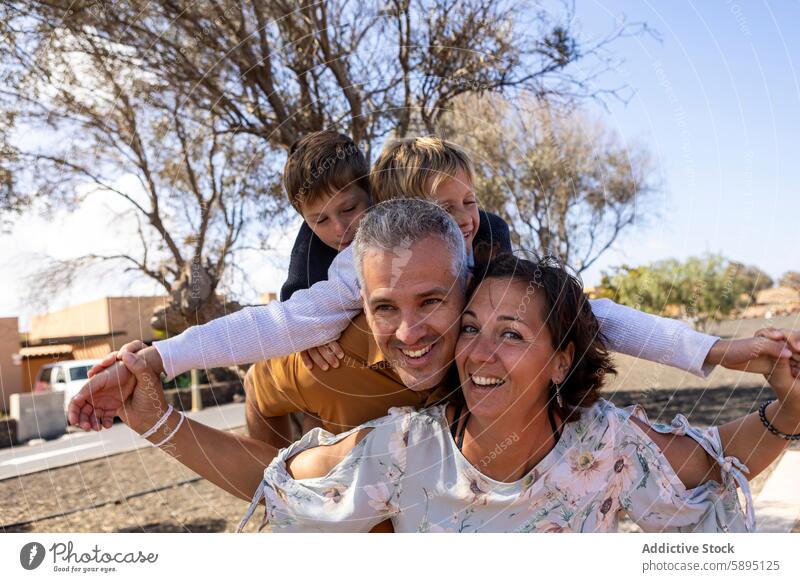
x=745, y=438
x=310, y=318
x=672, y=342
x=232, y=462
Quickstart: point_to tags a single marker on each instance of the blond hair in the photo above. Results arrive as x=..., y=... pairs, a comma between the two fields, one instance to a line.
x=413, y=167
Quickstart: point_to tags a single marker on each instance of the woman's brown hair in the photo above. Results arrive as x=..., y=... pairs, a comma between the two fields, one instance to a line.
x=569, y=319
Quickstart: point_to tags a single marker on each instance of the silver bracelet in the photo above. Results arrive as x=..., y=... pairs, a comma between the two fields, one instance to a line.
x=159, y=423
x=175, y=430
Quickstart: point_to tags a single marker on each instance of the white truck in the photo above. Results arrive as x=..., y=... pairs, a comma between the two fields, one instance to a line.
x=67, y=377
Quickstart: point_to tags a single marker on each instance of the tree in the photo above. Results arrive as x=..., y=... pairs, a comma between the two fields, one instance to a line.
x=701, y=289
x=197, y=186
x=565, y=182
x=791, y=279
x=200, y=100
x=753, y=279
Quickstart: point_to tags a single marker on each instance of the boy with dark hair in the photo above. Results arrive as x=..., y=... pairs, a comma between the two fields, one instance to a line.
x=326, y=179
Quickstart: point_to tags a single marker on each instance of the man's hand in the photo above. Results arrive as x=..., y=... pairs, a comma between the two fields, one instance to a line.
x=110, y=385
x=758, y=353
x=324, y=356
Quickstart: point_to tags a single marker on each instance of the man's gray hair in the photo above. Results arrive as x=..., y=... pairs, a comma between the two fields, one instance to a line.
x=395, y=225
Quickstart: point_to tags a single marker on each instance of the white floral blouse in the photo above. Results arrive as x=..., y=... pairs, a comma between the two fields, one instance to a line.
x=409, y=470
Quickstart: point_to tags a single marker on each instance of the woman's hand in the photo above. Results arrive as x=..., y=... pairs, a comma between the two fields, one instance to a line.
x=746, y=438
x=96, y=403
x=783, y=375
x=110, y=385
x=779, y=365
x=147, y=402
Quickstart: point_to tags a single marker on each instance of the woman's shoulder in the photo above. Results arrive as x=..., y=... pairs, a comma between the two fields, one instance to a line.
x=631, y=425
x=318, y=452
x=609, y=413
x=408, y=418
x=605, y=422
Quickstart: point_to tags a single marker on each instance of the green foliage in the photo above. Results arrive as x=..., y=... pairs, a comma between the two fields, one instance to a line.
x=753, y=278
x=701, y=289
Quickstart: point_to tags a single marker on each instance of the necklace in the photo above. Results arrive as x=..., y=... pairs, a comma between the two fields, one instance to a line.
x=458, y=435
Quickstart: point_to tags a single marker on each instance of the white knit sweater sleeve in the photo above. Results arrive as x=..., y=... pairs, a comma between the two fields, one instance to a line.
x=318, y=315
x=311, y=317
x=657, y=339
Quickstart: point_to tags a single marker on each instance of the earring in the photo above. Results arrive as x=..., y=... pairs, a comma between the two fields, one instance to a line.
x=559, y=400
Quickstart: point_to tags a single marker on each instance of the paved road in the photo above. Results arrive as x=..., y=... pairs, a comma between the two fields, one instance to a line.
x=81, y=446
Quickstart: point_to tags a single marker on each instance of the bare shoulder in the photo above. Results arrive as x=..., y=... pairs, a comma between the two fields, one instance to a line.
x=688, y=459
x=319, y=461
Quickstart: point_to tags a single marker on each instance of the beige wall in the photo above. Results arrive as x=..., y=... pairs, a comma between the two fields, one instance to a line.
x=111, y=314
x=10, y=375
x=132, y=315
x=84, y=319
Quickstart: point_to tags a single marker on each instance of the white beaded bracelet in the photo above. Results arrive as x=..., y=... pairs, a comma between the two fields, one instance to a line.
x=172, y=434
x=159, y=423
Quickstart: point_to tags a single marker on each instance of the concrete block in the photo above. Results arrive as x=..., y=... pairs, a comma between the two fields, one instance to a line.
x=39, y=415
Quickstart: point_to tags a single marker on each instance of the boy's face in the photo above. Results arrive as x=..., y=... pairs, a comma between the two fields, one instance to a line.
x=334, y=218
x=457, y=197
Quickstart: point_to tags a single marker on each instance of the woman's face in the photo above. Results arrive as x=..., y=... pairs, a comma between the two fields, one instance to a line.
x=505, y=355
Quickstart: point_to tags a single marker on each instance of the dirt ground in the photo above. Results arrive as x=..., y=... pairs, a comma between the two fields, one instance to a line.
x=147, y=491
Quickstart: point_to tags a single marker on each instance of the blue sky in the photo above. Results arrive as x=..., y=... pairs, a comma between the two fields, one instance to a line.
x=717, y=101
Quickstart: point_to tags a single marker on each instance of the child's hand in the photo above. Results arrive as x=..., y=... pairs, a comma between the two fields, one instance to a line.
x=323, y=356
x=112, y=357
x=761, y=353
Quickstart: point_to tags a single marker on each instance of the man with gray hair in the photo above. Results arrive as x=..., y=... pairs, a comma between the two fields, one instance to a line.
x=411, y=265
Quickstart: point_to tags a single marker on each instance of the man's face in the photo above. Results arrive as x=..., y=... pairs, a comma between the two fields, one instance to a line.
x=334, y=217
x=413, y=301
